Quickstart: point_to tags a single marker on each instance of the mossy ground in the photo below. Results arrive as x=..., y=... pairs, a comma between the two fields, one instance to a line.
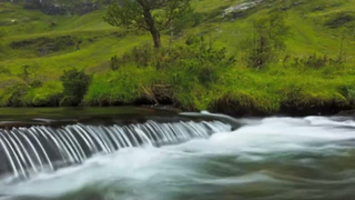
x=282, y=86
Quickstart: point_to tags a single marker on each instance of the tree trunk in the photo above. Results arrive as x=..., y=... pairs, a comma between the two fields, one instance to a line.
x=156, y=38
x=153, y=30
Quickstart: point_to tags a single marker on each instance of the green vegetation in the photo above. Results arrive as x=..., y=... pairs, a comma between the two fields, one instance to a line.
x=151, y=15
x=267, y=39
x=290, y=56
x=75, y=85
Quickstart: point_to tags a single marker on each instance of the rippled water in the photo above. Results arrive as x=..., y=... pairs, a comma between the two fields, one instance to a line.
x=266, y=159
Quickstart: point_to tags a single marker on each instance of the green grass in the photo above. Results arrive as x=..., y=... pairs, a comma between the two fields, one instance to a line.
x=243, y=88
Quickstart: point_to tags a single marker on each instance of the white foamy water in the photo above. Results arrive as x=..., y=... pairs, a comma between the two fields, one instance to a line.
x=272, y=158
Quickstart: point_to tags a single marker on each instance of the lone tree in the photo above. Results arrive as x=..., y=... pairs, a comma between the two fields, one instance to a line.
x=151, y=15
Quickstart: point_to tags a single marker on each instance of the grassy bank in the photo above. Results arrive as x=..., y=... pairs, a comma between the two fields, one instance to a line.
x=313, y=74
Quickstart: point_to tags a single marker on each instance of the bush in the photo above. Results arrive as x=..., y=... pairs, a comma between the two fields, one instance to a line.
x=179, y=75
x=48, y=94
x=141, y=56
x=124, y=86
x=316, y=62
x=196, y=49
x=268, y=38
x=28, y=73
x=36, y=84
x=197, y=61
x=114, y=63
x=75, y=85
x=14, y=95
x=348, y=92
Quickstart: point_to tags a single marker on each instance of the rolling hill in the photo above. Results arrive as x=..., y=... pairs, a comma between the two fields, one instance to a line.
x=37, y=47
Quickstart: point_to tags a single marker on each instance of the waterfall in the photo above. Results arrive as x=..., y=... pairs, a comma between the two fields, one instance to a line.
x=24, y=151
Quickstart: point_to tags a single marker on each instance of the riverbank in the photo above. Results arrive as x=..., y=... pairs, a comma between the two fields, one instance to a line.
x=237, y=91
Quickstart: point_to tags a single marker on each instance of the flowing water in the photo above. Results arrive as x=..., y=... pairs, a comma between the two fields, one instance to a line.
x=179, y=156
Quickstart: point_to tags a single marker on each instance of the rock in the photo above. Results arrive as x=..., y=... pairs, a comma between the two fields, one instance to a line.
x=347, y=113
x=242, y=7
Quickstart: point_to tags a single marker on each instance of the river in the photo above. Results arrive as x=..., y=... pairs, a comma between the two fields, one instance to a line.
x=275, y=158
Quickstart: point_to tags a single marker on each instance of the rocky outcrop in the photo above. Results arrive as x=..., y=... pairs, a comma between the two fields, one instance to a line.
x=236, y=10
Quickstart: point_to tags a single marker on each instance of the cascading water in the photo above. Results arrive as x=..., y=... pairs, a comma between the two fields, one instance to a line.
x=31, y=150
x=202, y=157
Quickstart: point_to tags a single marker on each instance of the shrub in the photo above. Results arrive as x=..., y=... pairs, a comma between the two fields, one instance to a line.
x=198, y=62
x=124, y=86
x=348, y=92
x=197, y=57
x=75, y=85
x=196, y=49
x=48, y=94
x=114, y=63
x=316, y=62
x=177, y=75
x=36, y=84
x=28, y=73
x=13, y=95
x=141, y=56
x=267, y=40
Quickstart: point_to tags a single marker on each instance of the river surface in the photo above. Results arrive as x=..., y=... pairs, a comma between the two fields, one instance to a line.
x=273, y=158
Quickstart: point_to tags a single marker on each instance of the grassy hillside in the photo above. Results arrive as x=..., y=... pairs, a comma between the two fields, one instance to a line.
x=48, y=45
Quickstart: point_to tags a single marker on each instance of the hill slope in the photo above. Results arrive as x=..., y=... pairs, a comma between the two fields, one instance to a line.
x=48, y=45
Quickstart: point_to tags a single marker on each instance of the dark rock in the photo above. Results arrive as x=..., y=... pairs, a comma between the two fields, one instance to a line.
x=49, y=9
x=347, y=113
x=316, y=107
x=84, y=8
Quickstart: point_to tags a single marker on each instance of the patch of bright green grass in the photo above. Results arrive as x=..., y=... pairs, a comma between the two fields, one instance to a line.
x=264, y=90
